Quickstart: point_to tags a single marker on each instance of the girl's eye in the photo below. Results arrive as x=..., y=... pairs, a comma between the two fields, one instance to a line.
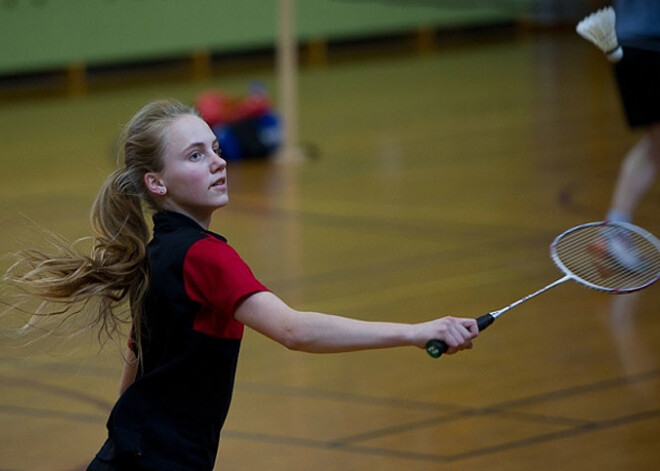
x=217, y=151
x=195, y=156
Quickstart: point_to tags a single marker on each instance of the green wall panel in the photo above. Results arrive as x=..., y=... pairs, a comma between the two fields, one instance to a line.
x=43, y=34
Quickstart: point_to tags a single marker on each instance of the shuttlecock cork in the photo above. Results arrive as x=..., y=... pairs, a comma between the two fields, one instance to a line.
x=599, y=28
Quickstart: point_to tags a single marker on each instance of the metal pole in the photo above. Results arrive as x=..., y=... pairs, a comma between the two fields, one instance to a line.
x=287, y=71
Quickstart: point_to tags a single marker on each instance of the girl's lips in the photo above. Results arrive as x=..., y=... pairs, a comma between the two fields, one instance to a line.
x=220, y=182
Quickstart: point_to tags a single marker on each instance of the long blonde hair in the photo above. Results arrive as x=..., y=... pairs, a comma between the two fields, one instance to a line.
x=116, y=269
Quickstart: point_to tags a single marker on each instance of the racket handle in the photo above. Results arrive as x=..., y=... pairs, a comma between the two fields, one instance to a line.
x=435, y=348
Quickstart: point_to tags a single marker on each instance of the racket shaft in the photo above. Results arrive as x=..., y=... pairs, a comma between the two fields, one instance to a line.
x=436, y=348
x=497, y=314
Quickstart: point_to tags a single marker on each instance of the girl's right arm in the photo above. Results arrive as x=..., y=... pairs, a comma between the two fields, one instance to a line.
x=325, y=333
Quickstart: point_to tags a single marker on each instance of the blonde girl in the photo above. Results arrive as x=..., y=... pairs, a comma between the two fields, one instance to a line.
x=190, y=296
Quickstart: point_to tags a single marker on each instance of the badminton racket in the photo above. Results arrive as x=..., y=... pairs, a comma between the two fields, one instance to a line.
x=613, y=257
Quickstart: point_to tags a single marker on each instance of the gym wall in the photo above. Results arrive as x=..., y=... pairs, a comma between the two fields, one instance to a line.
x=43, y=35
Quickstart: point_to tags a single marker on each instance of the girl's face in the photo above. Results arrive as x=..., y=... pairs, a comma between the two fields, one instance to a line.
x=193, y=180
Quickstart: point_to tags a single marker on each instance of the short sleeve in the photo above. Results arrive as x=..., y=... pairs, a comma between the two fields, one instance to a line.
x=216, y=277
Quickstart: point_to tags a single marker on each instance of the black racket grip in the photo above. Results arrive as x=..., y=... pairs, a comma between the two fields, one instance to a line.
x=435, y=348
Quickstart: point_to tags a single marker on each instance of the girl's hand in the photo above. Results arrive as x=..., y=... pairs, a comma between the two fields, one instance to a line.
x=456, y=332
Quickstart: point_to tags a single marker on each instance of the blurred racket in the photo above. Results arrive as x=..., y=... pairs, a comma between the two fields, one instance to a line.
x=613, y=257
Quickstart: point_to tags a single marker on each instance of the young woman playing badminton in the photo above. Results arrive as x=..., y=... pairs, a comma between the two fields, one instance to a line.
x=190, y=295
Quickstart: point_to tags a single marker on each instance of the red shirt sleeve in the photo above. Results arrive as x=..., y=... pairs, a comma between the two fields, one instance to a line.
x=217, y=278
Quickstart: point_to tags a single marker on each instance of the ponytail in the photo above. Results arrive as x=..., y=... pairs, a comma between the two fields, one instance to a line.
x=116, y=270
x=120, y=248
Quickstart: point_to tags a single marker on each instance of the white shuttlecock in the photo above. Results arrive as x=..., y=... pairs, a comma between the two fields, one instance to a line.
x=599, y=28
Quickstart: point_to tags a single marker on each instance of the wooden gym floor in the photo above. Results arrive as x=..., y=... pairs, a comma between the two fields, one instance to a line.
x=441, y=180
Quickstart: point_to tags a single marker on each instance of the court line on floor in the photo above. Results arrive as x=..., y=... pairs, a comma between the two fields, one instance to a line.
x=592, y=426
x=42, y=413
x=573, y=426
x=51, y=389
x=503, y=407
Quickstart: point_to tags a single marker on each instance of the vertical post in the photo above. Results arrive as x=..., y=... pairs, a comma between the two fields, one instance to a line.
x=287, y=71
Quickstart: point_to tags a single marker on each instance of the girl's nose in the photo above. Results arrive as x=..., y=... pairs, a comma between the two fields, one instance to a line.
x=218, y=163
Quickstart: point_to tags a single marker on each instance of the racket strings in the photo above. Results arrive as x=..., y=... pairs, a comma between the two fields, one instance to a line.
x=609, y=257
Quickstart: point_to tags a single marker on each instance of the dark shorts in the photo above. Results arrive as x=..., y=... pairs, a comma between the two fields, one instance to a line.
x=638, y=77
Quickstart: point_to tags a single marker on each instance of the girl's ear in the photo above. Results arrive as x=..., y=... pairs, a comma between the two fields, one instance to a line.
x=154, y=184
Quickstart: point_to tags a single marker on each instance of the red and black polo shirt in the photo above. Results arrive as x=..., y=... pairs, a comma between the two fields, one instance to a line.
x=173, y=413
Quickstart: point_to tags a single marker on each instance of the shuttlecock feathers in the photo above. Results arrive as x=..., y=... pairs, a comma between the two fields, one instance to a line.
x=599, y=28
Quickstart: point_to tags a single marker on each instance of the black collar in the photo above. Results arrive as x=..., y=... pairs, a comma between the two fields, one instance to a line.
x=169, y=221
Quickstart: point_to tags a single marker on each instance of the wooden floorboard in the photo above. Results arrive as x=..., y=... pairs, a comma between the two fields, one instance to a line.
x=440, y=182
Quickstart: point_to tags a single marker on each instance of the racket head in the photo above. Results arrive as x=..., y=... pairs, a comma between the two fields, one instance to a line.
x=615, y=257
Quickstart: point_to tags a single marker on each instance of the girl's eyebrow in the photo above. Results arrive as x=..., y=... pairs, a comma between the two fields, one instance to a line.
x=198, y=145
x=194, y=145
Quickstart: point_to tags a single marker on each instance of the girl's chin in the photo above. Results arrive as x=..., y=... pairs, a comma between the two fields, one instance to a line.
x=222, y=203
